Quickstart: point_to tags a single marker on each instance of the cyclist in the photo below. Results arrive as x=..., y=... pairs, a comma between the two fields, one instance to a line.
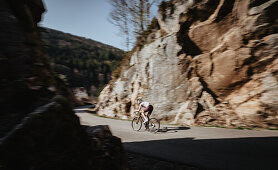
x=145, y=107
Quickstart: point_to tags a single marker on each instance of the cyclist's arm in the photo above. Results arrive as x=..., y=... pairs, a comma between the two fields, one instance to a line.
x=140, y=107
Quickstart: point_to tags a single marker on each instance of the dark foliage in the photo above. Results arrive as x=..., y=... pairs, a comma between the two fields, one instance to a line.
x=145, y=38
x=166, y=5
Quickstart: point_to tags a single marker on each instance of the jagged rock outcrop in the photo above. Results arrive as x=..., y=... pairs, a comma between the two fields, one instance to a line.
x=38, y=128
x=210, y=62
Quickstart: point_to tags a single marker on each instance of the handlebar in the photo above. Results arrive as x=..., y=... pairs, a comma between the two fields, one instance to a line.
x=136, y=112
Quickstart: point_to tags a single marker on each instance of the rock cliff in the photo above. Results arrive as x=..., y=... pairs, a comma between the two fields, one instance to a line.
x=209, y=62
x=38, y=128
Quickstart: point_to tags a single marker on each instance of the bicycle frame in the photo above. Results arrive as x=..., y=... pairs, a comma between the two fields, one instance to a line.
x=139, y=116
x=138, y=119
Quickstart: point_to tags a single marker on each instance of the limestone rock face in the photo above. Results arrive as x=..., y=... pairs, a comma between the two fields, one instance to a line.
x=38, y=128
x=212, y=62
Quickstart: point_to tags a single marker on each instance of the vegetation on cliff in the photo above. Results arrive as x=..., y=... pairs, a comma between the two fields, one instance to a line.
x=148, y=35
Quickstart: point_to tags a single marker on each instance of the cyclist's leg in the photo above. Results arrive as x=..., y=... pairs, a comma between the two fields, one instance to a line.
x=144, y=116
x=150, y=110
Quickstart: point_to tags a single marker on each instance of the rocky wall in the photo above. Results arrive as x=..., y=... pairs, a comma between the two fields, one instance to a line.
x=38, y=128
x=213, y=62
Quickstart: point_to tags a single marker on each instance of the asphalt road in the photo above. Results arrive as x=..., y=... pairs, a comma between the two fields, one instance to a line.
x=205, y=148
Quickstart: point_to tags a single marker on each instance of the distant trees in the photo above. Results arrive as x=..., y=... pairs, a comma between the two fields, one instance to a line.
x=79, y=61
x=131, y=17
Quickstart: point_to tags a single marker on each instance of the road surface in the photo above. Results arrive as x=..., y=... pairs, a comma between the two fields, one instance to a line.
x=205, y=148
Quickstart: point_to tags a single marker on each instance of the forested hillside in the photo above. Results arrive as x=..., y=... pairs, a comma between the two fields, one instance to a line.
x=81, y=62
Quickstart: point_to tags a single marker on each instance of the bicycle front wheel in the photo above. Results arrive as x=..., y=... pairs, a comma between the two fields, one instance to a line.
x=136, y=124
x=154, y=125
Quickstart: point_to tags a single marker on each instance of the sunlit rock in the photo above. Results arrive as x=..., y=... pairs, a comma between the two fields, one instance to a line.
x=214, y=62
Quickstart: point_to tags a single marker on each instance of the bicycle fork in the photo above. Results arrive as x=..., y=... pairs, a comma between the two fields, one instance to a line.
x=137, y=121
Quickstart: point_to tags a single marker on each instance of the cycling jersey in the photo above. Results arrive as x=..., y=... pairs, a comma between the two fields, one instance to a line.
x=144, y=104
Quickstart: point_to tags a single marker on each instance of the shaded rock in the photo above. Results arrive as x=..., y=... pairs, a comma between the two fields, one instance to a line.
x=110, y=152
x=51, y=137
x=38, y=128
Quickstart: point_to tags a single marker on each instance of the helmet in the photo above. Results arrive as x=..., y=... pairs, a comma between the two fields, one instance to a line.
x=139, y=101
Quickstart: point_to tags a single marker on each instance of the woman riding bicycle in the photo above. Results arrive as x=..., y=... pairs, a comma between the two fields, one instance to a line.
x=146, y=107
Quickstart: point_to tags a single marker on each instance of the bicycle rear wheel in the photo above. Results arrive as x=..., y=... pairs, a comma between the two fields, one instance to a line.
x=136, y=123
x=154, y=125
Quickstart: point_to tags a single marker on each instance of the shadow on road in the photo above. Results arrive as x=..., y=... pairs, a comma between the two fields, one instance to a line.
x=228, y=154
x=172, y=129
x=85, y=111
x=166, y=129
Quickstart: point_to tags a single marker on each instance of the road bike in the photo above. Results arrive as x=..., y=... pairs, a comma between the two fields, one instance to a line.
x=152, y=125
